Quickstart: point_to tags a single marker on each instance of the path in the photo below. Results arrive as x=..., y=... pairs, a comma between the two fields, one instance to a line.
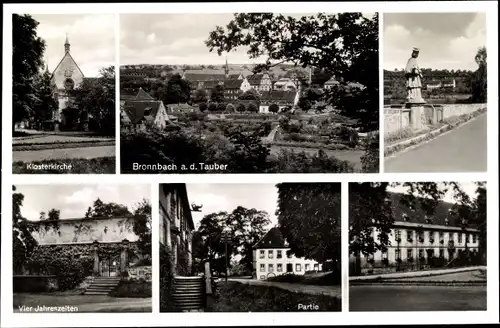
x=415, y=274
x=28, y=156
x=463, y=149
x=271, y=136
x=332, y=291
x=417, y=298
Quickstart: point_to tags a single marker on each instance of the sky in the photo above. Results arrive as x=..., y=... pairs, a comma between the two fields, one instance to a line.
x=446, y=40
x=74, y=200
x=468, y=187
x=226, y=197
x=92, y=39
x=176, y=39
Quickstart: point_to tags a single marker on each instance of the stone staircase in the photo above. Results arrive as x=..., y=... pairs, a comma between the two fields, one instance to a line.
x=102, y=285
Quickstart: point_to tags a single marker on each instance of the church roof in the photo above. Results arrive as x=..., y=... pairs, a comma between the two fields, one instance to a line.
x=255, y=79
x=137, y=111
x=278, y=95
x=67, y=54
x=232, y=84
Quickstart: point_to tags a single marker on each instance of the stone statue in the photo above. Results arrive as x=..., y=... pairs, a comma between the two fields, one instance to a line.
x=414, y=79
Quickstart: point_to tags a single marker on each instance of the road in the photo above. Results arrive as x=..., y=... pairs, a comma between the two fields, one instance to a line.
x=27, y=156
x=416, y=298
x=333, y=291
x=463, y=149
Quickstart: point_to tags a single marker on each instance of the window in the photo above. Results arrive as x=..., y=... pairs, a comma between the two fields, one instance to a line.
x=474, y=238
x=270, y=254
x=307, y=267
x=431, y=252
x=316, y=267
x=468, y=237
x=280, y=267
x=409, y=253
x=441, y=253
x=441, y=235
x=459, y=237
x=270, y=267
x=279, y=254
x=409, y=235
x=397, y=233
x=298, y=267
x=262, y=277
x=261, y=254
x=289, y=255
x=398, y=254
x=384, y=255
x=262, y=268
x=421, y=253
x=450, y=236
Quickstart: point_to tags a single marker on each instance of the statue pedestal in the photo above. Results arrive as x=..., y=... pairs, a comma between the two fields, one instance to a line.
x=417, y=114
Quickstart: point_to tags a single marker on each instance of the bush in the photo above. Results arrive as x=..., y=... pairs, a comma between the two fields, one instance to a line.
x=212, y=107
x=253, y=108
x=240, y=108
x=221, y=107
x=133, y=288
x=203, y=107
x=230, y=108
x=274, y=108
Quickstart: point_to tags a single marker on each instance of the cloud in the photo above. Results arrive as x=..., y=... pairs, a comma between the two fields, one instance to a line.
x=446, y=41
x=92, y=39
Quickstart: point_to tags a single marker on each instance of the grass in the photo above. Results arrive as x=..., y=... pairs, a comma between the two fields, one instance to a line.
x=139, y=289
x=58, y=299
x=101, y=165
x=237, y=297
x=61, y=145
x=426, y=135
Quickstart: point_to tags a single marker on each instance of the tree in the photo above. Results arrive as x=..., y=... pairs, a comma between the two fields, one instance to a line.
x=178, y=90
x=253, y=108
x=217, y=94
x=95, y=98
x=99, y=209
x=250, y=94
x=221, y=107
x=479, y=217
x=479, y=81
x=27, y=60
x=203, y=106
x=23, y=241
x=273, y=108
x=249, y=155
x=344, y=43
x=212, y=107
x=142, y=226
x=200, y=96
x=240, y=108
x=208, y=243
x=45, y=105
x=308, y=98
x=309, y=219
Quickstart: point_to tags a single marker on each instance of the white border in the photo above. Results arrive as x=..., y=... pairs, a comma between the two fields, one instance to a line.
x=268, y=319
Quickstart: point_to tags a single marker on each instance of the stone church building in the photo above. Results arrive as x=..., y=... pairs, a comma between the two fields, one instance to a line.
x=66, y=77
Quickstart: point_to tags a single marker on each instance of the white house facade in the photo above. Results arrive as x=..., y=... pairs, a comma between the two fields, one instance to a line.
x=271, y=258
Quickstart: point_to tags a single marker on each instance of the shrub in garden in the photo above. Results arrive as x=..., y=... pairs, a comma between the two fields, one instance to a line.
x=274, y=108
x=221, y=107
x=240, y=108
x=212, y=107
x=230, y=108
x=253, y=108
x=203, y=107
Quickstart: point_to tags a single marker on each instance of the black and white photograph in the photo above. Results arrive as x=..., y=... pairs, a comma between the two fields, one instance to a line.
x=435, y=90
x=417, y=246
x=81, y=248
x=63, y=95
x=250, y=247
x=249, y=93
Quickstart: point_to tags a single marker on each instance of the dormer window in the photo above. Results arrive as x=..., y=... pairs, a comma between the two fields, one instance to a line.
x=406, y=218
x=148, y=111
x=428, y=220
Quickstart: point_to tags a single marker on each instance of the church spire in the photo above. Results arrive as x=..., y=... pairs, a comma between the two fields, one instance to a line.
x=226, y=69
x=66, y=44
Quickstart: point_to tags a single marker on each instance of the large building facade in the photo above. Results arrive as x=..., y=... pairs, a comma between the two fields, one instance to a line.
x=176, y=226
x=271, y=258
x=419, y=242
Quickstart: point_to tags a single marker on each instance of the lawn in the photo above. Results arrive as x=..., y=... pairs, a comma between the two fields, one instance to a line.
x=319, y=279
x=100, y=165
x=238, y=297
x=80, y=144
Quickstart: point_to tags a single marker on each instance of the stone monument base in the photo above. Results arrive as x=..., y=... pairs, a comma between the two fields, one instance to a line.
x=417, y=115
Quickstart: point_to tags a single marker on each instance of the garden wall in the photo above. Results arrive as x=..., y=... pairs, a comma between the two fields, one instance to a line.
x=35, y=284
x=140, y=272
